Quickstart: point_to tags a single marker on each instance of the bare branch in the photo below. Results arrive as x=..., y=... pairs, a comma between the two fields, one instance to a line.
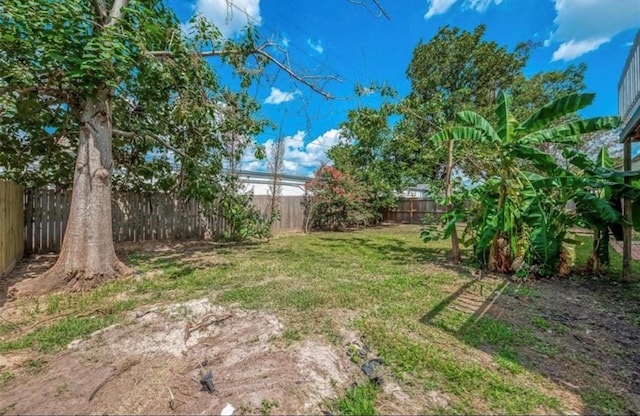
x=381, y=12
x=204, y=54
x=308, y=80
x=292, y=74
x=130, y=134
x=42, y=90
x=410, y=112
x=122, y=133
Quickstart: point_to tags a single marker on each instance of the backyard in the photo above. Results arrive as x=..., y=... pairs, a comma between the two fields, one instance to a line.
x=285, y=325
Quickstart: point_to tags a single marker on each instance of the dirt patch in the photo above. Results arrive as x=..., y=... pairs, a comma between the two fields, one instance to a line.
x=153, y=365
x=586, y=335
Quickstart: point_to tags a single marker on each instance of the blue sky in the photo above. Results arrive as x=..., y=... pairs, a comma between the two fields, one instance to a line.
x=345, y=39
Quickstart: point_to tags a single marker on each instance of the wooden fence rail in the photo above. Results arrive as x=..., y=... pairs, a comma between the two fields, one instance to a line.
x=139, y=217
x=11, y=225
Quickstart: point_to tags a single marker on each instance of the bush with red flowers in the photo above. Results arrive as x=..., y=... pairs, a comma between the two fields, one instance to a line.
x=335, y=200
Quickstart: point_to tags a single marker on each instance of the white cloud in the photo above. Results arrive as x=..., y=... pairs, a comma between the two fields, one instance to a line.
x=584, y=25
x=316, y=46
x=571, y=50
x=437, y=7
x=299, y=159
x=285, y=42
x=482, y=5
x=230, y=16
x=278, y=97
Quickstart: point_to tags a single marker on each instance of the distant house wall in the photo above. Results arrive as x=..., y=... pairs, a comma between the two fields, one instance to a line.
x=413, y=192
x=260, y=183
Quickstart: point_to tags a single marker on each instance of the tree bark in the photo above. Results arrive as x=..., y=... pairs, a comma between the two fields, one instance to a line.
x=455, y=244
x=88, y=257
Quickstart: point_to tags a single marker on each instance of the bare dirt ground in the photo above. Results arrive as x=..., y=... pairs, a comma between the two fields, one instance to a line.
x=154, y=364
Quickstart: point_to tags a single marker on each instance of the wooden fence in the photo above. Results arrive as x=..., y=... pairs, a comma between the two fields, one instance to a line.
x=291, y=211
x=411, y=211
x=139, y=217
x=11, y=226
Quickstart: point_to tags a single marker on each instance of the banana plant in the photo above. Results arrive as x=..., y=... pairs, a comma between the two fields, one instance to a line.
x=515, y=222
x=599, y=202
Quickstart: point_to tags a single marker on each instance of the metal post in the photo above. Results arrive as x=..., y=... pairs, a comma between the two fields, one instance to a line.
x=626, y=209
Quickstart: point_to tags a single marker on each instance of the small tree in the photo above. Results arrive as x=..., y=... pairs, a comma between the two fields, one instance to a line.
x=336, y=201
x=85, y=80
x=275, y=164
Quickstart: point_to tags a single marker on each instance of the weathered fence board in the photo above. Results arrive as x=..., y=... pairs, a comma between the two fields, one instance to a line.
x=139, y=217
x=11, y=225
x=411, y=211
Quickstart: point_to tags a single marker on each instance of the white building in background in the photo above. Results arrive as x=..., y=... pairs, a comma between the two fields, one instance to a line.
x=418, y=191
x=260, y=183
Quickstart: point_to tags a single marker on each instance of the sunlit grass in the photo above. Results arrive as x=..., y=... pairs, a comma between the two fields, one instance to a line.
x=427, y=319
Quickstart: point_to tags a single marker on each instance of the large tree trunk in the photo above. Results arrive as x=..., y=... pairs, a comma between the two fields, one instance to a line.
x=88, y=255
x=455, y=244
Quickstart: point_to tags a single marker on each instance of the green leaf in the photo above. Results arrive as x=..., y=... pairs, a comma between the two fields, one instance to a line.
x=459, y=133
x=475, y=120
x=507, y=123
x=557, y=109
x=604, y=160
x=571, y=132
x=540, y=160
x=577, y=159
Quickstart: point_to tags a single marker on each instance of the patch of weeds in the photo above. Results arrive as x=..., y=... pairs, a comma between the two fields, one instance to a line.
x=5, y=376
x=291, y=335
x=59, y=335
x=488, y=331
x=604, y=402
x=480, y=386
x=245, y=409
x=359, y=400
x=55, y=303
x=35, y=310
x=304, y=300
x=544, y=348
x=522, y=292
x=123, y=305
x=34, y=367
x=451, y=320
x=8, y=328
x=633, y=317
x=267, y=405
x=540, y=323
x=250, y=297
x=508, y=359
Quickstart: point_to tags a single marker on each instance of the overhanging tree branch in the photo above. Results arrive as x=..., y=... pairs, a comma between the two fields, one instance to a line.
x=40, y=89
x=131, y=134
x=381, y=12
x=309, y=80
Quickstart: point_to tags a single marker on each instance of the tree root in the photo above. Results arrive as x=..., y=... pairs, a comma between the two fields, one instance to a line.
x=61, y=277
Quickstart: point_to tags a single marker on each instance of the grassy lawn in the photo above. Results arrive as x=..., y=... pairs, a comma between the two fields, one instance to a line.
x=437, y=327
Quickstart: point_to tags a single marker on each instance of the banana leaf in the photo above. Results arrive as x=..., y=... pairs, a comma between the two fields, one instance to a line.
x=557, y=109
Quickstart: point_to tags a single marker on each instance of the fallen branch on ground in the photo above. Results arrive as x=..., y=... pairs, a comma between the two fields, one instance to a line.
x=204, y=322
x=125, y=367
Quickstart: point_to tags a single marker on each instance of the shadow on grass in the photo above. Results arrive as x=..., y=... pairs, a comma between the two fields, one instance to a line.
x=578, y=334
x=396, y=251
